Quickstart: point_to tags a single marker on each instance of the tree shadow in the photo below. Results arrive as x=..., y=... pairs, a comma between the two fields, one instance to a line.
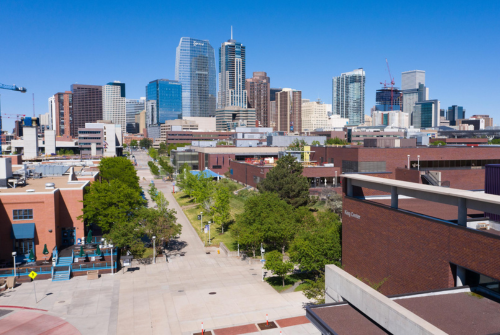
x=176, y=245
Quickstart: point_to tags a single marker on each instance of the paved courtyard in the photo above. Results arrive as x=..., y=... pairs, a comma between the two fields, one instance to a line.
x=167, y=298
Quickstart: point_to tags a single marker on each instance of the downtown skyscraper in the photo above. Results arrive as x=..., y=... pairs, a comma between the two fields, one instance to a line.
x=114, y=104
x=232, y=74
x=195, y=70
x=349, y=96
x=259, y=94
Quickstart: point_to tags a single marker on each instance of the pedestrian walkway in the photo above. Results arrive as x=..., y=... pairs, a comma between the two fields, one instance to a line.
x=19, y=321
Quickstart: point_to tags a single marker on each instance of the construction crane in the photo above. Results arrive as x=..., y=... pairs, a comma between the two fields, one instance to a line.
x=12, y=116
x=13, y=88
x=391, y=83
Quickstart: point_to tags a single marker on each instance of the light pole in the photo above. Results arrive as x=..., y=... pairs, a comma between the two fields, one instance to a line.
x=154, y=250
x=112, y=267
x=408, y=162
x=209, y=232
x=14, y=257
x=201, y=221
x=335, y=178
x=418, y=162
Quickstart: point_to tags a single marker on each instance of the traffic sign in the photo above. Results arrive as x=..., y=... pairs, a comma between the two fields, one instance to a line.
x=33, y=274
x=262, y=260
x=199, y=217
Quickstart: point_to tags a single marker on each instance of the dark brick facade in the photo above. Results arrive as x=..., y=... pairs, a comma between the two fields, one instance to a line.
x=394, y=158
x=412, y=176
x=415, y=253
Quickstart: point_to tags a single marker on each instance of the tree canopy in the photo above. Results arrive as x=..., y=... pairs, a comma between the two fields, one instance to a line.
x=286, y=180
x=336, y=141
x=275, y=263
x=133, y=143
x=146, y=143
x=119, y=168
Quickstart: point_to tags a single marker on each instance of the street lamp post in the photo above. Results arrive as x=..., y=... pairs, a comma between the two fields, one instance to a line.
x=335, y=178
x=408, y=162
x=14, y=257
x=112, y=267
x=154, y=250
x=209, y=222
x=418, y=162
x=201, y=221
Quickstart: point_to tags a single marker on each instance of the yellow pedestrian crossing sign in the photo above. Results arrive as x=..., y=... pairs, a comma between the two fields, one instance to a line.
x=33, y=274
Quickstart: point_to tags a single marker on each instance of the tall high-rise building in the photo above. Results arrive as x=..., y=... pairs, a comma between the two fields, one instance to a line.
x=113, y=103
x=273, y=113
x=232, y=74
x=258, y=92
x=426, y=114
x=411, y=79
x=134, y=107
x=349, y=96
x=455, y=113
x=314, y=115
x=195, y=70
x=87, y=106
x=414, y=89
x=289, y=111
x=52, y=111
x=63, y=114
x=163, y=101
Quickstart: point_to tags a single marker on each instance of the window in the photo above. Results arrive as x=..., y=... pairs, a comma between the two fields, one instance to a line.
x=23, y=247
x=22, y=214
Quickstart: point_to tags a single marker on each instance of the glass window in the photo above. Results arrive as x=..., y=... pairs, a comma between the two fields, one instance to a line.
x=23, y=247
x=22, y=214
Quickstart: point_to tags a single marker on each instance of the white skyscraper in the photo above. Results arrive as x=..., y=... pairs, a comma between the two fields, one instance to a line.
x=411, y=79
x=134, y=107
x=349, y=96
x=314, y=115
x=114, y=103
x=52, y=111
x=414, y=90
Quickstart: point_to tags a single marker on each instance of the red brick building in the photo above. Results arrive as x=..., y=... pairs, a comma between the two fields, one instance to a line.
x=42, y=212
x=415, y=244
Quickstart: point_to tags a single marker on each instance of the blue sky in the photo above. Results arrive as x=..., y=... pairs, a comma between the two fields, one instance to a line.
x=47, y=46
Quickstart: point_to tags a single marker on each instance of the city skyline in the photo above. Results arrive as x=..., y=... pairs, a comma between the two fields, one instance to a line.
x=452, y=79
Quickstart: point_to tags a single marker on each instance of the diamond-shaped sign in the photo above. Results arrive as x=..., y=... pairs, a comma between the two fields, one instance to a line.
x=33, y=274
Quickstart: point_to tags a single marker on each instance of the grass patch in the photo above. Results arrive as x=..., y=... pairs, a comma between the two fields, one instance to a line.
x=290, y=280
x=183, y=199
x=301, y=287
x=148, y=253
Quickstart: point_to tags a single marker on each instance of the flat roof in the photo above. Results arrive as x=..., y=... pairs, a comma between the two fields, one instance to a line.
x=61, y=182
x=447, y=195
x=454, y=313
x=240, y=150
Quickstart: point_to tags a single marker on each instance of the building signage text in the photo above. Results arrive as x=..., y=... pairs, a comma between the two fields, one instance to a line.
x=351, y=214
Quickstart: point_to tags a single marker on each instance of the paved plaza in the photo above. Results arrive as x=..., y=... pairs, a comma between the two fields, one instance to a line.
x=167, y=298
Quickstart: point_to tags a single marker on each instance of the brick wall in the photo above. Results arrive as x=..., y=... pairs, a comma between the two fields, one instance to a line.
x=413, y=252
x=464, y=179
x=247, y=173
x=412, y=176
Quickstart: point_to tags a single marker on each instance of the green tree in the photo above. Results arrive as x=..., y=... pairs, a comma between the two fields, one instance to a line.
x=493, y=141
x=133, y=143
x=221, y=207
x=153, y=191
x=204, y=187
x=318, y=245
x=438, y=143
x=160, y=222
x=153, y=153
x=163, y=148
x=287, y=181
x=167, y=168
x=315, y=143
x=106, y=204
x=119, y=168
x=315, y=289
x=153, y=168
x=125, y=145
x=335, y=141
x=275, y=263
x=127, y=234
x=146, y=143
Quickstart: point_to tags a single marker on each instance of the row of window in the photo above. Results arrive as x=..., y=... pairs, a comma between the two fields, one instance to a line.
x=22, y=214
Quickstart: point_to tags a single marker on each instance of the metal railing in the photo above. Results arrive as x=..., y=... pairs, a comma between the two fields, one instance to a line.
x=25, y=271
x=93, y=266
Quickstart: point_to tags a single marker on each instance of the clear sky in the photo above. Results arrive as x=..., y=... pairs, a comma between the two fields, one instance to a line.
x=46, y=46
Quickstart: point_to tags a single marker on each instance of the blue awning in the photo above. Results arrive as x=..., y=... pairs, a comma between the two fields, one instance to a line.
x=23, y=230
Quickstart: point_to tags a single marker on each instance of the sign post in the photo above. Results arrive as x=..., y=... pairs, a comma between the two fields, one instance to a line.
x=33, y=275
x=263, y=261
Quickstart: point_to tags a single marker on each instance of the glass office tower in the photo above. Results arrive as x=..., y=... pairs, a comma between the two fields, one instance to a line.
x=163, y=101
x=232, y=74
x=454, y=114
x=349, y=96
x=195, y=70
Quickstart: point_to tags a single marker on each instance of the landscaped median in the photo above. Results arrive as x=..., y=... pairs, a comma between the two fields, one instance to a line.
x=192, y=210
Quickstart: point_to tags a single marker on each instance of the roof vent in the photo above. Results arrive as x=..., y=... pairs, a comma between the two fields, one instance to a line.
x=50, y=186
x=30, y=190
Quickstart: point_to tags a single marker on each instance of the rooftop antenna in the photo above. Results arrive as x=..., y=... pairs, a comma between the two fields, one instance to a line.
x=231, y=32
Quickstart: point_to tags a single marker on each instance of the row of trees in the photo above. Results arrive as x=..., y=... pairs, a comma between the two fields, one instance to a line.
x=143, y=143
x=114, y=203
x=213, y=196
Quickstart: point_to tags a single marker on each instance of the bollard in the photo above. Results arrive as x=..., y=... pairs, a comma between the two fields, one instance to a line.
x=202, y=329
x=218, y=251
x=267, y=320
